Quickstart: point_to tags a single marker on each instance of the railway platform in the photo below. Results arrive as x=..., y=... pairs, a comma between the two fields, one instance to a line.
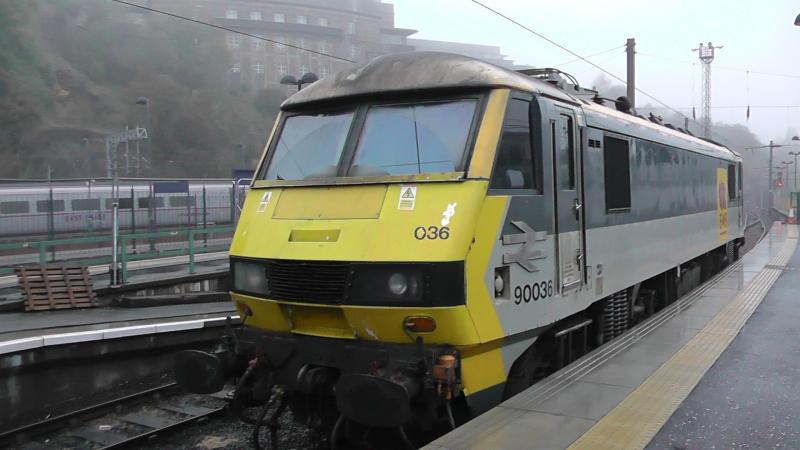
x=141, y=275
x=719, y=368
x=22, y=325
x=20, y=328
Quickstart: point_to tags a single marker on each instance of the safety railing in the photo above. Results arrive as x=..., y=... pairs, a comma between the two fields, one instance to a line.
x=97, y=250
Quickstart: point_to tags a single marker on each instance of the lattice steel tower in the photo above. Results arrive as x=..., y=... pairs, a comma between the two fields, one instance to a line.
x=706, y=54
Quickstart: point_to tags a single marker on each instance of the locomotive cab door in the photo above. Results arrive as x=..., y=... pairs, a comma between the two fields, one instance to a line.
x=568, y=198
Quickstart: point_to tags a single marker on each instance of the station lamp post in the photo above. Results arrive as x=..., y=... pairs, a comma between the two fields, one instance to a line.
x=794, y=184
x=146, y=102
x=306, y=78
x=772, y=146
x=786, y=165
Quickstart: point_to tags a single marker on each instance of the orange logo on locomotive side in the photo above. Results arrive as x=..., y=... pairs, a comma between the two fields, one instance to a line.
x=722, y=204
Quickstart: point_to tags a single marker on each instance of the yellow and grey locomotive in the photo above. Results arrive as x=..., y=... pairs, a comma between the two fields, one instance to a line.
x=429, y=232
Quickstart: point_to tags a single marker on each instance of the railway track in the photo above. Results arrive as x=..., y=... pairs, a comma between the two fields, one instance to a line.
x=118, y=423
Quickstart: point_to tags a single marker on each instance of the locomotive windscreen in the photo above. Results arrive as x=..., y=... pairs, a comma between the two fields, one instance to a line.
x=374, y=140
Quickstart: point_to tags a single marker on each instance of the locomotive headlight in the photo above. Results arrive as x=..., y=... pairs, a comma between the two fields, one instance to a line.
x=249, y=277
x=398, y=283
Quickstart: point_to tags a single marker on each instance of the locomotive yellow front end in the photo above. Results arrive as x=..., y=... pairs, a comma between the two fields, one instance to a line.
x=365, y=280
x=359, y=265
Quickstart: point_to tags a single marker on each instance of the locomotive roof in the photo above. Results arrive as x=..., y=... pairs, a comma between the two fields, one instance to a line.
x=616, y=121
x=420, y=71
x=417, y=71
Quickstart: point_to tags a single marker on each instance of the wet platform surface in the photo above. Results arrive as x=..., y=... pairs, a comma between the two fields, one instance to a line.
x=26, y=324
x=619, y=396
x=750, y=397
x=19, y=324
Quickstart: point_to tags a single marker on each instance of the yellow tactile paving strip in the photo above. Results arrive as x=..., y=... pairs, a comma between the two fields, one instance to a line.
x=634, y=422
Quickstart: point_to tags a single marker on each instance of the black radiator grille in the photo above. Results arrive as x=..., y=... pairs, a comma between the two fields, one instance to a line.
x=308, y=281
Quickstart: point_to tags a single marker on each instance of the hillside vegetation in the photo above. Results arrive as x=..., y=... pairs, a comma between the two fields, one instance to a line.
x=71, y=70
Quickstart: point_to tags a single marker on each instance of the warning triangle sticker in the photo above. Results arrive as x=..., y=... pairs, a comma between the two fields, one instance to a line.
x=409, y=193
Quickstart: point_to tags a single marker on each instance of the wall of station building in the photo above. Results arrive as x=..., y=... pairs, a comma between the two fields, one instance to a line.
x=358, y=30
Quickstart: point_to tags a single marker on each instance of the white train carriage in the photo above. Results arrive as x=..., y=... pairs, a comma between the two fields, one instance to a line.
x=29, y=210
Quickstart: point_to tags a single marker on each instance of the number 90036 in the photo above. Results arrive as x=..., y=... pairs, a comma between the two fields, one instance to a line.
x=535, y=291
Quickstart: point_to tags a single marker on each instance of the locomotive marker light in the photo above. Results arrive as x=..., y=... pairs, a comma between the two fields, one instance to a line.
x=419, y=324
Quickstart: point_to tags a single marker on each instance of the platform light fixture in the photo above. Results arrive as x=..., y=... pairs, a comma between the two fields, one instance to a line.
x=306, y=78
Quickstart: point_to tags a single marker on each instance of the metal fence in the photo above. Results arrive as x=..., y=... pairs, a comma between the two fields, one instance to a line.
x=97, y=250
x=79, y=208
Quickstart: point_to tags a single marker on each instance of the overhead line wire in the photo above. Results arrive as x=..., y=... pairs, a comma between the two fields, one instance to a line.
x=772, y=74
x=730, y=107
x=231, y=30
x=591, y=56
x=541, y=36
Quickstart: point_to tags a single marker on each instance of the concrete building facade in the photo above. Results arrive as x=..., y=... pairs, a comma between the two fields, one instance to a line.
x=357, y=30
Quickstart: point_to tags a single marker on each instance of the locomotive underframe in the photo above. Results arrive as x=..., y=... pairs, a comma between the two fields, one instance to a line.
x=371, y=383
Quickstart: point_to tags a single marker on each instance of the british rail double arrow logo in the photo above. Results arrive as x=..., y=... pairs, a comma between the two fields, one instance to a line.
x=525, y=254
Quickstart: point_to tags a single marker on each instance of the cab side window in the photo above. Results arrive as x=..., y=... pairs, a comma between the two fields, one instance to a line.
x=514, y=167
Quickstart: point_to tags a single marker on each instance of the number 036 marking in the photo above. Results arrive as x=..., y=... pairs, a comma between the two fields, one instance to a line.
x=432, y=232
x=535, y=291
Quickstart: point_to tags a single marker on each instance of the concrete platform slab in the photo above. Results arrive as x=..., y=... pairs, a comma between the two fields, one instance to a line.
x=585, y=400
x=21, y=324
x=535, y=430
x=749, y=397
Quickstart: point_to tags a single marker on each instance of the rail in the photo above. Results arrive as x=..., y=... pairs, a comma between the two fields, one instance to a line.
x=190, y=241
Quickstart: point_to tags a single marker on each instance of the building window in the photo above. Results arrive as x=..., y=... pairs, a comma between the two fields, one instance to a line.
x=278, y=17
x=234, y=41
x=279, y=42
x=351, y=28
x=236, y=68
x=122, y=202
x=323, y=22
x=515, y=167
x=301, y=43
x=258, y=68
x=255, y=15
x=282, y=69
x=302, y=20
x=47, y=205
x=324, y=72
x=617, y=167
x=324, y=47
x=14, y=207
x=354, y=52
x=231, y=14
x=85, y=204
x=182, y=201
x=144, y=202
x=303, y=70
x=258, y=44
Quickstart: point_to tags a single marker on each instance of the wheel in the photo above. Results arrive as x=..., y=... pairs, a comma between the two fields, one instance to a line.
x=529, y=368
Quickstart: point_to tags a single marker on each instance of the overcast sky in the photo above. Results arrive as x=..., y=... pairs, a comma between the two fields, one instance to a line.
x=757, y=35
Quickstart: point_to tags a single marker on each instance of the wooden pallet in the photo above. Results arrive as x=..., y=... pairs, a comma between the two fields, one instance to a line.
x=55, y=286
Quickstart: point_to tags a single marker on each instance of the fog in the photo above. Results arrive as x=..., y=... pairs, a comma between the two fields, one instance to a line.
x=72, y=70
